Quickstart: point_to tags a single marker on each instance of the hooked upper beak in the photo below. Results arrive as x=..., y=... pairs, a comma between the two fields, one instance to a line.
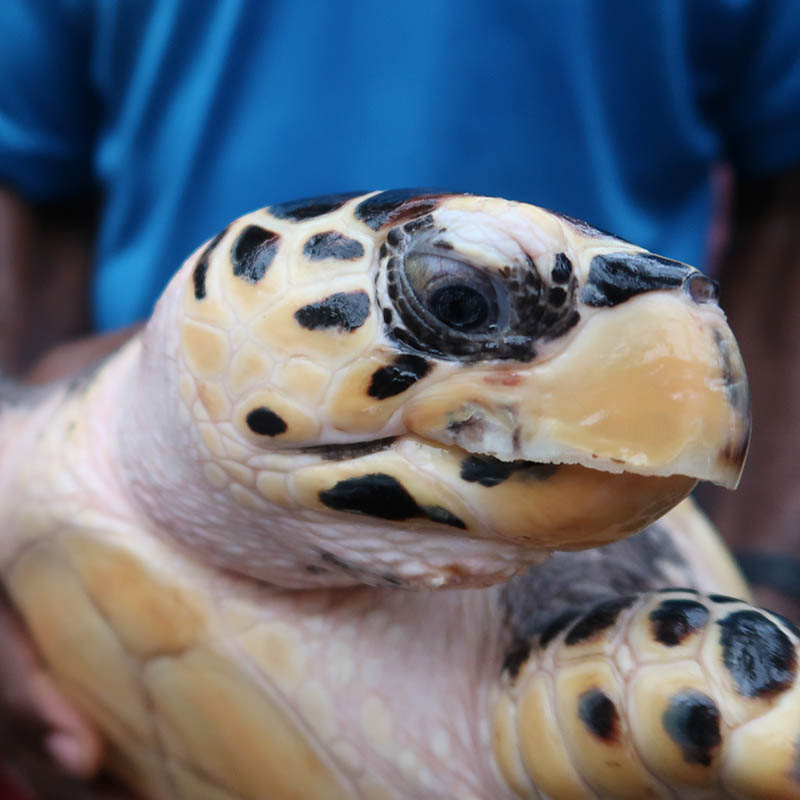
x=652, y=383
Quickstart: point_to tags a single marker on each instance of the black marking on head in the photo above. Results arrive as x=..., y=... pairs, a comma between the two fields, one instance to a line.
x=265, y=422
x=758, y=654
x=562, y=269
x=299, y=210
x=201, y=268
x=342, y=452
x=420, y=224
x=598, y=619
x=598, y=712
x=490, y=471
x=443, y=244
x=444, y=517
x=516, y=655
x=671, y=589
x=616, y=277
x=722, y=598
x=397, y=377
x=672, y=621
x=485, y=470
x=394, y=238
x=692, y=721
x=253, y=252
x=344, y=310
x=332, y=244
x=199, y=278
x=380, y=495
x=397, y=205
x=376, y=495
x=560, y=623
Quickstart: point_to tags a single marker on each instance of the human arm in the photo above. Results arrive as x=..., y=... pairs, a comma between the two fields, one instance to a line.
x=760, y=278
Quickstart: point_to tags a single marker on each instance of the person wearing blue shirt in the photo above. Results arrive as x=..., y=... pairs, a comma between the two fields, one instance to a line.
x=180, y=116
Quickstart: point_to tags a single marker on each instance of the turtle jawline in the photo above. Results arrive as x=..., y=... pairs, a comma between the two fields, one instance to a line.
x=343, y=452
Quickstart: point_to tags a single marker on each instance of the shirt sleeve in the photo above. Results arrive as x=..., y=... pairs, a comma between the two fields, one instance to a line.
x=47, y=118
x=748, y=58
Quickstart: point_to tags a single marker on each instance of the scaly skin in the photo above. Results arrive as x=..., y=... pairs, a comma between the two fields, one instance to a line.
x=123, y=494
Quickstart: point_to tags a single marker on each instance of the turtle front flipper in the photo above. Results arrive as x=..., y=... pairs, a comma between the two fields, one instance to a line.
x=658, y=694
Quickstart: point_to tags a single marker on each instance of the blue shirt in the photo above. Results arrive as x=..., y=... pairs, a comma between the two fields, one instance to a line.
x=187, y=114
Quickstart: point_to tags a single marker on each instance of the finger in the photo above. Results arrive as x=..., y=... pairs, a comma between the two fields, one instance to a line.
x=29, y=692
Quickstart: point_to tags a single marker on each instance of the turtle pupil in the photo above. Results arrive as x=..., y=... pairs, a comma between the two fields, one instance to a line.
x=460, y=307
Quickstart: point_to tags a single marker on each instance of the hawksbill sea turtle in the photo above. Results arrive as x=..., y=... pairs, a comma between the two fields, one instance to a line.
x=294, y=540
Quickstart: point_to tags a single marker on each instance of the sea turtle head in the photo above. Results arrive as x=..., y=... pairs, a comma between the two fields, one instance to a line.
x=457, y=367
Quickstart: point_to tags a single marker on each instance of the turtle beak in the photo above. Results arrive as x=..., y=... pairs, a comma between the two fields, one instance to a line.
x=651, y=383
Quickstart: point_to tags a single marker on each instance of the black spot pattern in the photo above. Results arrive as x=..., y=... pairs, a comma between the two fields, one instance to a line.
x=598, y=711
x=757, y=653
x=443, y=516
x=598, y=619
x=485, y=470
x=516, y=655
x=201, y=268
x=332, y=244
x=616, y=277
x=560, y=623
x=396, y=205
x=722, y=598
x=420, y=224
x=562, y=269
x=344, y=310
x=397, y=377
x=490, y=471
x=692, y=721
x=376, y=495
x=380, y=495
x=674, y=589
x=199, y=279
x=672, y=621
x=299, y=210
x=253, y=252
x=265, y=422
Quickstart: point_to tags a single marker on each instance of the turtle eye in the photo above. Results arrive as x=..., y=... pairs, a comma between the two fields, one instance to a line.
x=460, y=307
x=458, y=295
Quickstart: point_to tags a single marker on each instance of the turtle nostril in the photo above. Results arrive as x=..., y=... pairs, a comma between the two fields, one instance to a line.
x=701, y=288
